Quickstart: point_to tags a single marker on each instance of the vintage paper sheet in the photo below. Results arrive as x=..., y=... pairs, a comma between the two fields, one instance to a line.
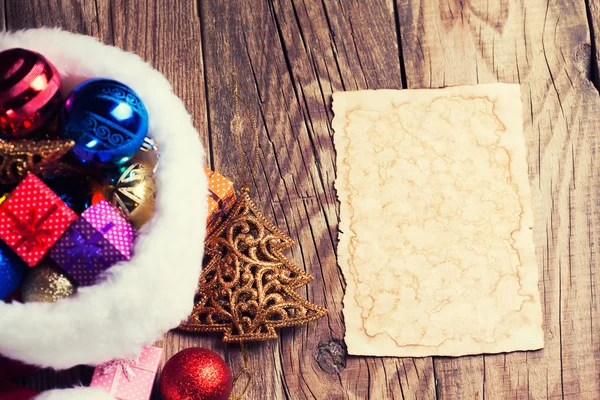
x=436, y=240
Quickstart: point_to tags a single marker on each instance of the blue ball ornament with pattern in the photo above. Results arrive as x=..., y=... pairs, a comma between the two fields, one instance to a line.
x=12, y=271
x=107, y=120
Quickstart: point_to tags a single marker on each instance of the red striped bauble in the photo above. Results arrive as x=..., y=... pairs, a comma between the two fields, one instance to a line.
x=29, y=92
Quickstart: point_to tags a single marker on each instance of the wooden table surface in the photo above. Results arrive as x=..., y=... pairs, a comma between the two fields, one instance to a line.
x=290, y=55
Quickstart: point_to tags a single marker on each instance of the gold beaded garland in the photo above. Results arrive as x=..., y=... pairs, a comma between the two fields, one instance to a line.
x=20, y=157
x=46, y=283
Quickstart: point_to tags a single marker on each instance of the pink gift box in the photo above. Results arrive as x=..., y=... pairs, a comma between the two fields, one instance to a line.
x=129, y=379
x=121, y=235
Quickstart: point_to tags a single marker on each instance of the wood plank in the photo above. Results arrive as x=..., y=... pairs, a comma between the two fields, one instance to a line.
x=533, y=42
x=287, y=71
x=593, y=14
x=77, y=16
x=2, y=16
x=344, y=46
x=225, y=49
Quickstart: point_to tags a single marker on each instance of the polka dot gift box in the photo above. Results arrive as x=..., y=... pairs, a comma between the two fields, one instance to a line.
x=221, y=196
x=33, y=219
x=95, y=242
x=129, y=379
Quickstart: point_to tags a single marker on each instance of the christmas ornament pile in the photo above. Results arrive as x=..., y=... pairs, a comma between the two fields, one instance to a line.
x=78, y=171
x=76, y=174
x=85, y=278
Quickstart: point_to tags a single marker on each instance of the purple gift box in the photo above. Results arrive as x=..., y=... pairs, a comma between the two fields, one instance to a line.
x=95, y=242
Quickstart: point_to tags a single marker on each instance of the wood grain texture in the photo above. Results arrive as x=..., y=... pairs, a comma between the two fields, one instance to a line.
x=546, y=47
x=290, y=55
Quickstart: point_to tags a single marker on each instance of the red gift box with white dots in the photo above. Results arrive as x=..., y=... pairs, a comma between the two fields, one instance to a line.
x=33, y=218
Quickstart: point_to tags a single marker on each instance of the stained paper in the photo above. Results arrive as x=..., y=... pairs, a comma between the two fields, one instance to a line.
x=436, y=241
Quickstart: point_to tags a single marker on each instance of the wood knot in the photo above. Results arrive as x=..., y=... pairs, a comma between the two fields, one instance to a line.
x=332, y=356
x=582, y=55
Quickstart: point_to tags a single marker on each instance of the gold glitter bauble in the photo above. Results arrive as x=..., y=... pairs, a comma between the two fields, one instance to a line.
x=46, y=283
x=246, y=289
x=132, y=192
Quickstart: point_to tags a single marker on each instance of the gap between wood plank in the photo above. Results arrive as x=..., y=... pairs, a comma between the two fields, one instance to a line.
x=593, y=73
x=399, y=40
x=211, y=157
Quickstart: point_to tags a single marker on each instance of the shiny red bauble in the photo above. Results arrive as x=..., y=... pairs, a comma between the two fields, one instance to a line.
x=196, y=374
x=29, y=92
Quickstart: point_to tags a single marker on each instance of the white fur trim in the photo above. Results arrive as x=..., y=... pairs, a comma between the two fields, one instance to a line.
x=143, y=298
x=75, y=394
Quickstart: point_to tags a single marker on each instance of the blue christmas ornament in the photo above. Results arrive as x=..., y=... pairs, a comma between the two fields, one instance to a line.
x=107, y=120
x=12, y=271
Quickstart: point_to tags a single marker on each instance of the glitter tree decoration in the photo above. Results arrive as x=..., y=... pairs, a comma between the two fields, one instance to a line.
x=247, y=287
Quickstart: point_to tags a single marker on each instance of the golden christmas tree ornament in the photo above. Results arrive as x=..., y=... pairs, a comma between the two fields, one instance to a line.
x=247, y=287
x=20, y=157
x=46, y=283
